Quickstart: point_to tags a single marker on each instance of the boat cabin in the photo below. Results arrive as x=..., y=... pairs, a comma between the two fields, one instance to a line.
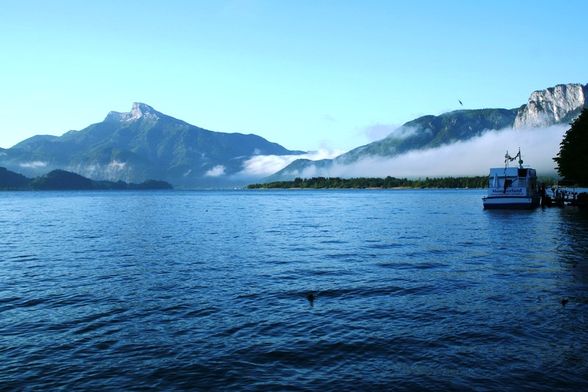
x=512, y=181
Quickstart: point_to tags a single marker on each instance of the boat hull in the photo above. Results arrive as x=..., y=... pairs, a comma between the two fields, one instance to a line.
x=510, y=203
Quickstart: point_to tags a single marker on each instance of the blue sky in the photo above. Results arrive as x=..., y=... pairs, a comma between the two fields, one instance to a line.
x=305, y=74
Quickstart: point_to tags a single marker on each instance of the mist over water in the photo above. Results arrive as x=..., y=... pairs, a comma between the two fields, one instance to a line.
x=260, y=166
x=472, y=157
x=468, y=158
x=209, y=290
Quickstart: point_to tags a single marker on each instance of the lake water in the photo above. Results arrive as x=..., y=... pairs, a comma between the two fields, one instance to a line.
x=414, y=289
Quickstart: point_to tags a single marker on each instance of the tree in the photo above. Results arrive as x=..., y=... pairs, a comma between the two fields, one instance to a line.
x=572, y=159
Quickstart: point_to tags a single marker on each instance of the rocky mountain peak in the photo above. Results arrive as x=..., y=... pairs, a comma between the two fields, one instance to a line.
x=138, y=111
x=553, y=105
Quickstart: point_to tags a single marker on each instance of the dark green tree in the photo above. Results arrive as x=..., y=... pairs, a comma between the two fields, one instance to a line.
x=572, y=159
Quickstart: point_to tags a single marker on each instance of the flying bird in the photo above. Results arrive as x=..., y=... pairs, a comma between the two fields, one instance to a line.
x=461, y=103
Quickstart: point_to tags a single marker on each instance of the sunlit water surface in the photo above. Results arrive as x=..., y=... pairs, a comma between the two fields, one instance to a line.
x=199, y=290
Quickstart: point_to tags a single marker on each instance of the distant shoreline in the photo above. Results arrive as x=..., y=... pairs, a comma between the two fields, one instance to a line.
x=400, y=188
x=61, y=180
x=477, y=182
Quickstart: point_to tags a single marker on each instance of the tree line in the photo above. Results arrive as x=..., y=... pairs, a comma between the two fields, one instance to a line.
x=374, y=182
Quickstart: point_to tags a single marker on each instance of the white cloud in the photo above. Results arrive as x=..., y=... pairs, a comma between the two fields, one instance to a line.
x=467, y=158
x=404, y=132
x=217, y=171
x=33, y=164
x=265, y=165
x=116, y=165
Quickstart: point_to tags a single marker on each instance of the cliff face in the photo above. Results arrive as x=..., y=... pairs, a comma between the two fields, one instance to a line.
x=553, y=105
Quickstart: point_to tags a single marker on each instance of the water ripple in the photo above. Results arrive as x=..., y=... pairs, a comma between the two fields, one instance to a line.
x=356, y=290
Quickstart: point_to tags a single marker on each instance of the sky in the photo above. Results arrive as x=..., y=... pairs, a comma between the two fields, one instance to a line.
x=309, y=75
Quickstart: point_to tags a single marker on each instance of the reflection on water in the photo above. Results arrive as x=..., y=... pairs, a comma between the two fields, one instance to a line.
x=573, y=245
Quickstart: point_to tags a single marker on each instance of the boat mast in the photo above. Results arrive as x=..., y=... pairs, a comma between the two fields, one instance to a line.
x=508, y=158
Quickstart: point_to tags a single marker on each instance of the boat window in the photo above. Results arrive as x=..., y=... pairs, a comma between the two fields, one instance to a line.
x=522, y=172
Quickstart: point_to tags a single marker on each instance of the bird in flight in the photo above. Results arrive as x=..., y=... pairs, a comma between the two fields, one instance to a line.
x=459, y=100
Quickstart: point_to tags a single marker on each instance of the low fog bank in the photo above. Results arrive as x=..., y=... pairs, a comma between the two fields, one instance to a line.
x=465, y=158
x=260, y=166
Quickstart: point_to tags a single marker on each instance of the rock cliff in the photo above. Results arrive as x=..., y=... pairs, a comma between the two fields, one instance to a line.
x=553, y=105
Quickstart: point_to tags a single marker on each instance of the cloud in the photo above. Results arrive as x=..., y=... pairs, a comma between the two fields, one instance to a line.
x=116, y=165
x=466, y=158
x=265, y=165
x=33, y=164
x=217, y=171
x=405, y=132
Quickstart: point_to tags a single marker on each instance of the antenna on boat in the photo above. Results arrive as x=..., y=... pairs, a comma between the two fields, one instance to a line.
x=508, y=158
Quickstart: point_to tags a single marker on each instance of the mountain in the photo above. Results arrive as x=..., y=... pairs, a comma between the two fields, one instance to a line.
x=555, y=105
x=12, y=180
x=139, y=145
x=64, y=180
x=434, y=131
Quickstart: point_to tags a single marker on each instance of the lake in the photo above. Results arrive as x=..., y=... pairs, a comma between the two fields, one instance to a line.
x=176, y=290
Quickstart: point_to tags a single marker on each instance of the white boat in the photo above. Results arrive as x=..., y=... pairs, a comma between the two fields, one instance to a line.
x=512, y=187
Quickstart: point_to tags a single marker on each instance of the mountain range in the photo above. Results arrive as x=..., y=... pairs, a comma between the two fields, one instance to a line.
x=551, y=106
x=145, y=144
x=139, y=145
x=64, y=180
